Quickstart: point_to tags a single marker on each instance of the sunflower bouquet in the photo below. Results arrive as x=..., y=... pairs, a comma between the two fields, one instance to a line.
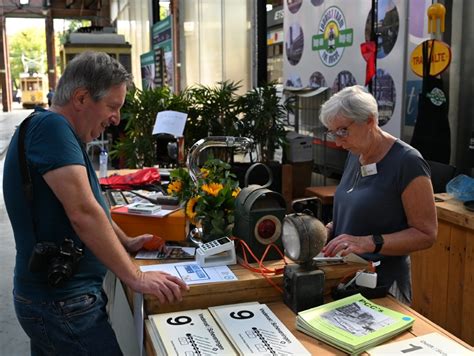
x=210, y=202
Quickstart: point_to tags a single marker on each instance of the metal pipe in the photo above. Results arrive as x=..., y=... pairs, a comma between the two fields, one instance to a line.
x=243, y=143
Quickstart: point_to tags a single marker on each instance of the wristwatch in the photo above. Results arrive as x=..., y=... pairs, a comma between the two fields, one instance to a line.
x=378, y=241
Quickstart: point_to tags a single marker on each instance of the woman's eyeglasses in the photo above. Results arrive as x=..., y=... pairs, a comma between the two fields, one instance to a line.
x=339, y=133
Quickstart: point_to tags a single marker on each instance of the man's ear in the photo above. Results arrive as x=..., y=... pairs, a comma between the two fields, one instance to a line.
x=79, y=97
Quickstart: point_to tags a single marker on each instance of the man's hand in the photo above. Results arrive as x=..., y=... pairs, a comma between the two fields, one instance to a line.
x=164, y=286
x=134, y=244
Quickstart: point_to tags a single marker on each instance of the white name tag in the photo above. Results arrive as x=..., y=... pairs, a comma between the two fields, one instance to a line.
x=368, y=170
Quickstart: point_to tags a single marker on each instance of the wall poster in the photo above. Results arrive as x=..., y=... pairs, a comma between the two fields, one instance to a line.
x=162, y=44
x=147, y=65
x=323, y=48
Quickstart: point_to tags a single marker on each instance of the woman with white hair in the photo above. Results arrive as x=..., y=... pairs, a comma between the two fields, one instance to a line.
x=383, y=207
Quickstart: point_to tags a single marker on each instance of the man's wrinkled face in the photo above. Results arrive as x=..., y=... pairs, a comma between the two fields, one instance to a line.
x=103, y=113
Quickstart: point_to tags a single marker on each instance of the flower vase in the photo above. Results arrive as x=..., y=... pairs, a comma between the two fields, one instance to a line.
x=208, y=233
x=205, y=232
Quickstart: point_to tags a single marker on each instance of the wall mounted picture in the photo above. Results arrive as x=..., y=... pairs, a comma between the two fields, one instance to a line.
x=317, y=80
x=386, y=96
x=317, y=2
x=294, y=43
x=294, y=81
x=387, y=27
x=294, y=5
x=343, y=79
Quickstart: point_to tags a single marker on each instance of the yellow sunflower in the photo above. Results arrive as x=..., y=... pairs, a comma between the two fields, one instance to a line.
x=235, y=192
x=175, y=187
x=212, y=188
x=204, y=172
x=191, y=207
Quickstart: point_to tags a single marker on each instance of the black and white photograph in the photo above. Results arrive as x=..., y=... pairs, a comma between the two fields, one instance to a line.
x=294, y=43
x=343, y=79
x=385, y=93
x=357, y=319
x=317, y=2
x=294, y=5
x=317, y=80
x=386, y=29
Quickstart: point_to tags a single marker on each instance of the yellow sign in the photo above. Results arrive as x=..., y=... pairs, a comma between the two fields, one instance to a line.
x=440, y=58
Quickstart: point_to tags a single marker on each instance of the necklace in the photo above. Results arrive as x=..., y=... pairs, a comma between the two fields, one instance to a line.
x=355, y=181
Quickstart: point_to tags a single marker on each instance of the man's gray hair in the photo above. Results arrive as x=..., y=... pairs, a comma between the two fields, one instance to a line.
x=352, y=102
x=96, y=72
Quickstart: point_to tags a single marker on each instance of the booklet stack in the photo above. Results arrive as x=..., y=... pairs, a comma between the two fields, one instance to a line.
x=352, y=324
x=190, y=332
x=253, y=329
x=236, y=329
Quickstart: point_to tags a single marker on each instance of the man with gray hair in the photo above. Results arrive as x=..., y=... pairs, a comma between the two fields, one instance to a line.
x=64, y=235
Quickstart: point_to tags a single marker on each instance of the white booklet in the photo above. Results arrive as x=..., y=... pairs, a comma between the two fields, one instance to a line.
x=254, y=329
x=143, y=208
x=433, y=344
x=189, y=332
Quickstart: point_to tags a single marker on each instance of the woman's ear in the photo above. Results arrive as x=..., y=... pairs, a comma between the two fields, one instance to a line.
x=372, y=121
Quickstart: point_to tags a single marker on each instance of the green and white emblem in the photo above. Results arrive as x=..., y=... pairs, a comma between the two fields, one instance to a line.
x=332, y=37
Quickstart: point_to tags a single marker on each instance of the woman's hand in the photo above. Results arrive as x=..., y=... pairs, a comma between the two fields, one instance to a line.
x=345, y=244
x=329, y=229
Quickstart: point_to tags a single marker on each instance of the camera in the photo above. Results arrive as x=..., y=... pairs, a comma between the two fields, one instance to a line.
x=59, y=262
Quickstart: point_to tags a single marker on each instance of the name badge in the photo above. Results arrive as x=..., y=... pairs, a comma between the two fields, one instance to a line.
x=368, y=170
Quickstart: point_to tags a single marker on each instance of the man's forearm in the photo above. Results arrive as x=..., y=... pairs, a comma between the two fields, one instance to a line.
x=120, y=233
x=101, y=238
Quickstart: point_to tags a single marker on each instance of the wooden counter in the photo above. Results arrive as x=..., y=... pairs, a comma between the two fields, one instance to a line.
x=249, y=287
x=252, y=287
x=422, y=326
x=443, y=276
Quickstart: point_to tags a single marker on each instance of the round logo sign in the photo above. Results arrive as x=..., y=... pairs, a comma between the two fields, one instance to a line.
x=332, y=37
x=438, y=51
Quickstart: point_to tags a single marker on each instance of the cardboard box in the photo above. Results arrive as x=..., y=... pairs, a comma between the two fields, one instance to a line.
x=300, y=147
x=173, y=227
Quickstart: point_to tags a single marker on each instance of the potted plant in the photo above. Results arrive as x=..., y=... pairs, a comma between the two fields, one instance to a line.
x=213, y=110
x=138, y=146
x=263, y=120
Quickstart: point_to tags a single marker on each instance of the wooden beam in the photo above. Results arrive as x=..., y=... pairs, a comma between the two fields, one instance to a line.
x=50, y=53
x=5, y=79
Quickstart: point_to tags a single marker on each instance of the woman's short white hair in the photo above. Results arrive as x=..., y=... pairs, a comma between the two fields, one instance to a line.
x=352, y=102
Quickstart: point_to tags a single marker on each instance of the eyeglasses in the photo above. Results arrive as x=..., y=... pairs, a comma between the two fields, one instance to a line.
x=339, y=133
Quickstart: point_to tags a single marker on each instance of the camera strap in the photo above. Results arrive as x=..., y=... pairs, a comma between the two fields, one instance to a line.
x=27, y=182
x=24, y=169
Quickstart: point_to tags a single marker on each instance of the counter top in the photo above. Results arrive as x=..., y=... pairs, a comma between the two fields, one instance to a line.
x=249, y=286
x=421, y=326
x=453, y=210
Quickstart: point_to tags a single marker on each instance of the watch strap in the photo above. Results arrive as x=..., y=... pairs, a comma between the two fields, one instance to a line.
x=378, y=241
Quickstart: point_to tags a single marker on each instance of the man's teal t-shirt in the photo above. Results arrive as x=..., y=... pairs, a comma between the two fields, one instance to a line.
x=50, y=143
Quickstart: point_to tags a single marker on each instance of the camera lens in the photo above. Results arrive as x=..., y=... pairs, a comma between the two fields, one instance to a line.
x=59, y=271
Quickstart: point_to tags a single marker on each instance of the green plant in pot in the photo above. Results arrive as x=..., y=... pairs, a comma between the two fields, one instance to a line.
x=138, y=146
x=213, y=111
x=263, y=120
